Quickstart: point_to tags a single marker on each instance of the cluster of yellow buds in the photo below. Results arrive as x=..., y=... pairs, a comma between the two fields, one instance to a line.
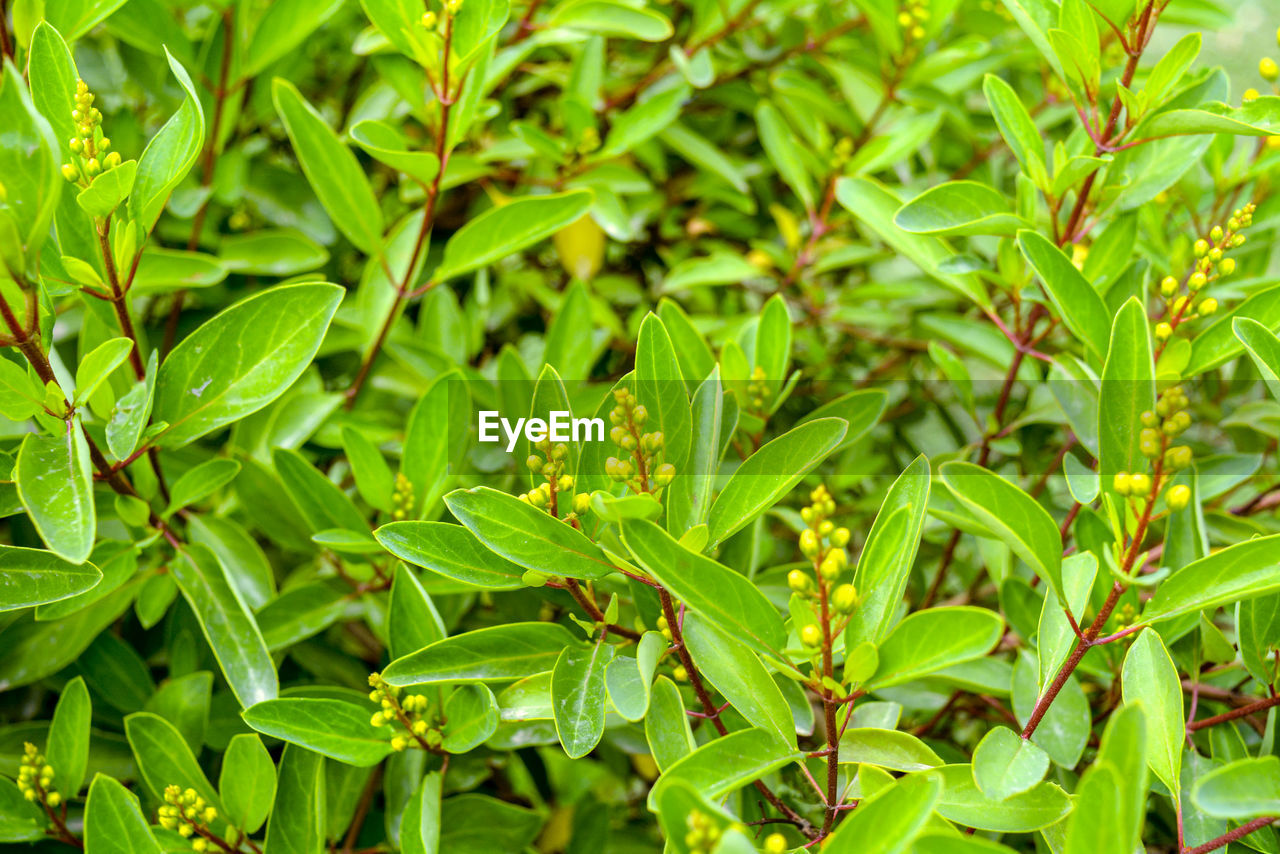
x=90, y=147
x=1168, y=421
x=187, y=813
x=402, y=498
x=409, y=711
x=35, y=777
x=1124, y=617
x=912, y=17
x=758, y=390
x=1211, y=264
x=643, y=472
x=551, y=494
x=703, y=834
x=823, y=544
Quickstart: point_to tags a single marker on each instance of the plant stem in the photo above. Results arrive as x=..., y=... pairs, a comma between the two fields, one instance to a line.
x=1243, y=711
x=712, y=712
x=446, y=100
x=1232, y=835
x=593, y=610
x=829, y=709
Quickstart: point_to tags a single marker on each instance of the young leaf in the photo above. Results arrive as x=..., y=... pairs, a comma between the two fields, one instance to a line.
x=886, y=560
x=726, y=598
x=1263, y=347
x=331, y=169
x=957, y=209
x=55, y=485
x=1019, y=131
x=735, y=672
x=1149, y=678
x=1128, y=390
x=247, y=783
x=113, y=821
x=505, y=230
x=578, y=696
x=164, y=759
x=964, y=803
x=169, y=155
x=68, y=749
x=927, y=641
x=784, y=152
x=527, y=536
x=1014, y=517
x=770, y=473
x=1005, y=764
x=666, y=726
x=1237, y=572
x=886, y=748
x=1073, y=297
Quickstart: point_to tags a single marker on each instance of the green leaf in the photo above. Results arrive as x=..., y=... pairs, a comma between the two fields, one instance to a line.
x=20, y=396
x=97, y=365
x=331, y=727
x=164, y=759
x=666, y=726
x=170, y=269
x=386, y=144
x=331, y=169
x=689, y=496
x=888, y=821
x=964, y=803
x=55, y=485
x=1128, y=390
x=784, y=151
x=729, y=600
x=108, y=190
x=113, y=821
x=724, y=764
x=1149, y=678
x=1014, y=517
x=659, y=386
x=320, y=501
x=770, y=473
x=496, y=654
x=959, y=208
x=1005, y=764
x=412, y=619
x=735, y=672
x=1259, y=117
x=451, y=551
x=131, y=413
x=297, y=823
x=506, y=230
x=30, y=577
x=643, y=121
x=1019, y=131
x=874, y=207
x=612, y=19
x=928, y=641
x=890, y=551
x=284, y=26
x=201, y=482
x=29, y=162
x=169, y=155
x=247, y=783
x=420, y=829
x=527, y=536
x=578, y=696
x=1237, y=572
x=1244, y=789
x=1263, y=347
x=227, y=625
x=717, y=269
x=630, y=680
x=68, y=747
x=74, y=18
x=471, y=715
x=1073, y=297
x=271, y=252
x=886, y=748
x=241, y=360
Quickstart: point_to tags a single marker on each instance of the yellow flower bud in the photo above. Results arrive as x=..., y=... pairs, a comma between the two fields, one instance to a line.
x=1178, y=497
x=775, y=843
x=1268, y=69
x=809, y=543
x=844, y=598
x=1207, y=306
x=811, y=635
x=1163, y=331
x=1140, y=485
x=1197, y=281
x=680, y=674
x=1227, y=267
x=1169, y=286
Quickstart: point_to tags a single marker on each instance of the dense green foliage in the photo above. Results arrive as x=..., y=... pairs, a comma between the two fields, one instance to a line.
x=934, y=503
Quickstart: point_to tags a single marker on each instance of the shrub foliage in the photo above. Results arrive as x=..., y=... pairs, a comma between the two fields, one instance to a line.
x=932, y=503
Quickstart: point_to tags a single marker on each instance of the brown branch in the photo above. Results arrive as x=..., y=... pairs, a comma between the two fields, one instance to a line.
x=1232, y=835
x=1241, y=712
x=593, y=610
